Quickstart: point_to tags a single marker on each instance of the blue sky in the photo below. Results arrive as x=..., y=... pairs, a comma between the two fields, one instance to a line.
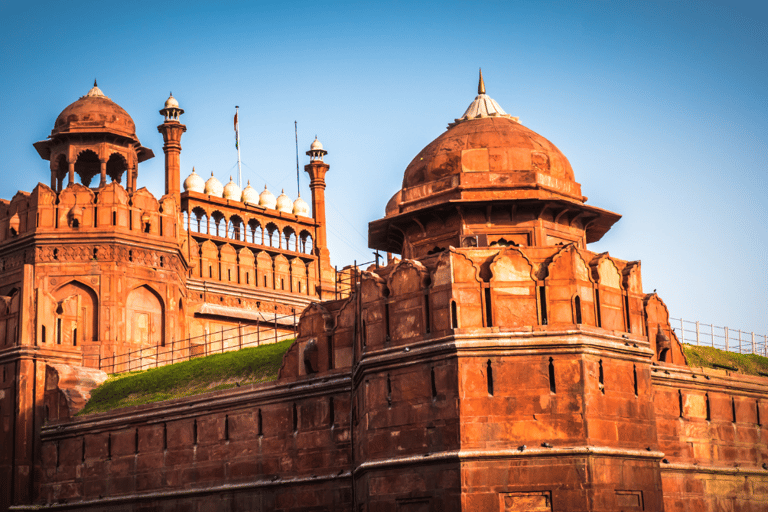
x=661, y=109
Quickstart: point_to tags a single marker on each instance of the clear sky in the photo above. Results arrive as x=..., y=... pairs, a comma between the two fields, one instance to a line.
x=661, y=109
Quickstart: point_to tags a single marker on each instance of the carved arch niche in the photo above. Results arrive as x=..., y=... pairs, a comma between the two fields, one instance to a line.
x=408, y=285
x=611, y=297
x=513, y=290
x=145, y=316
x=570, y=289
x=75, y=315
x=9, y=317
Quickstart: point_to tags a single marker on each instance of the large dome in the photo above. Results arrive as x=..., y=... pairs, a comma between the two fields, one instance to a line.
x=487, y=144
x=94, y=112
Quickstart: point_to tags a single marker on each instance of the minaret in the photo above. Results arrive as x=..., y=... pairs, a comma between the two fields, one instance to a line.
x=172, y=130
x=316, y=170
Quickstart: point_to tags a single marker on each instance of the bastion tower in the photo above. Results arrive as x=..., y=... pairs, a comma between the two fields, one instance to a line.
x=500, y=365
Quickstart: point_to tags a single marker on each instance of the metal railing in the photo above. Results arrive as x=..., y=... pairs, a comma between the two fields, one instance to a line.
x=723, y=338
x=217, y=342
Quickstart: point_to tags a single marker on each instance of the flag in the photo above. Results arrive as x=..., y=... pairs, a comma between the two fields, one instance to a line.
x=237, y=135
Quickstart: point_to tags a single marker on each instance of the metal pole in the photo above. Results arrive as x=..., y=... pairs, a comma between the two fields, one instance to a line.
x=712, y=333
x=697, y=333
x=237, y=134
x=682, y=332
x=258, y=333
x=753, y=343
x=725, y=329
x=740, y=341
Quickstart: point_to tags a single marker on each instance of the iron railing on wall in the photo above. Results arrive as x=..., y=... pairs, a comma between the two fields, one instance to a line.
x=723, y=338
x=216, y=342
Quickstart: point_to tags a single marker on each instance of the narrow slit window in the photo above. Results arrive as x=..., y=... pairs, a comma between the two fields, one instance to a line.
x=109, y=446
x=543, y=304
x=706, y=403
x=577, y=309
x=226, y=427
x=82, y=454
x=680, y=402
x=733, y=409
x=601, y=378
x=42, y=333
x=597, y=308
x=634, y=377
x=136, y=440
x=427, y=317
x=389, y=391
x=489, y=377
x=434, y=384
x=194, y=433
x=488, y=308
x=627, y=318
x=364, y=335
x=757, y=413
x=114, y=218
x=331, y=412
x=454, y=315
x=74, y=337
x=165, y=436
x=58, y=331
x=552, y=387
x=295, y=418
x=260, y=424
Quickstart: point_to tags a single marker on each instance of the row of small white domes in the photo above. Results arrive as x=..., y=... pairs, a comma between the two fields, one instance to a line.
x=248, y=195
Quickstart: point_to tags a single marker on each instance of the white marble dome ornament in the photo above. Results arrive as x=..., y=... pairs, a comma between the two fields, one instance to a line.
x=194, y=183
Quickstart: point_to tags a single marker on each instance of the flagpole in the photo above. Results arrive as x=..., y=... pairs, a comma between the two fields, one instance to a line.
x=296, y=130
x=237, y=144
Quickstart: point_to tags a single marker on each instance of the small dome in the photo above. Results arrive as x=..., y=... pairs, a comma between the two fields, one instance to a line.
x=250, y=196
x=171, y=102
x=94, y=112
x=316, y=144
x=267, y=199
x=284, y=203
x=232, y=191
x=194, y=183
x=300, y=207
x=213, y=187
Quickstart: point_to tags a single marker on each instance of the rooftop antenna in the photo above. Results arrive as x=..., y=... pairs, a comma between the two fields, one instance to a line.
x=296, y=131
x=237, y=145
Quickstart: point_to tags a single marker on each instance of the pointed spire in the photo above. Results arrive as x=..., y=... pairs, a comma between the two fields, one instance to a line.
x=94, y=83
x=481, y=84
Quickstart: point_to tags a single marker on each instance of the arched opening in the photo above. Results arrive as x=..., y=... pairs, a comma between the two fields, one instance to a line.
x=254, y=232
x=235, y=229
x=272, y=235
x=219, y=225
x=306, y=242
x=200, y=224
x=62, y=168
x=76, y=314
x=87, y=166
x=289, y=235
x=116, y=166
x=186, y=220
x=146, y=318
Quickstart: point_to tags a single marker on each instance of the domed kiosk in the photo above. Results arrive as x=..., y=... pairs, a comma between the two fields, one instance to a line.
x=93, y=136
x=493, y=182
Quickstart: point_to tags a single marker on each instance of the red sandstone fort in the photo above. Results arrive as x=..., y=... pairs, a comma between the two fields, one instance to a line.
x=498, y=365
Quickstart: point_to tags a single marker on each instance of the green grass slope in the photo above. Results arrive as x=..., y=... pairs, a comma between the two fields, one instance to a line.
x=708, y=357
x=200, y=375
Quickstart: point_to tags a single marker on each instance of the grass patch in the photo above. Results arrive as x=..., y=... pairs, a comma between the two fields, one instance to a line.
x=200, y=375
x=708, y=357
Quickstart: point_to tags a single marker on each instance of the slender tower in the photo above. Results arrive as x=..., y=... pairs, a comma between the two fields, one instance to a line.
x=172, y=130
x=316, y=170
